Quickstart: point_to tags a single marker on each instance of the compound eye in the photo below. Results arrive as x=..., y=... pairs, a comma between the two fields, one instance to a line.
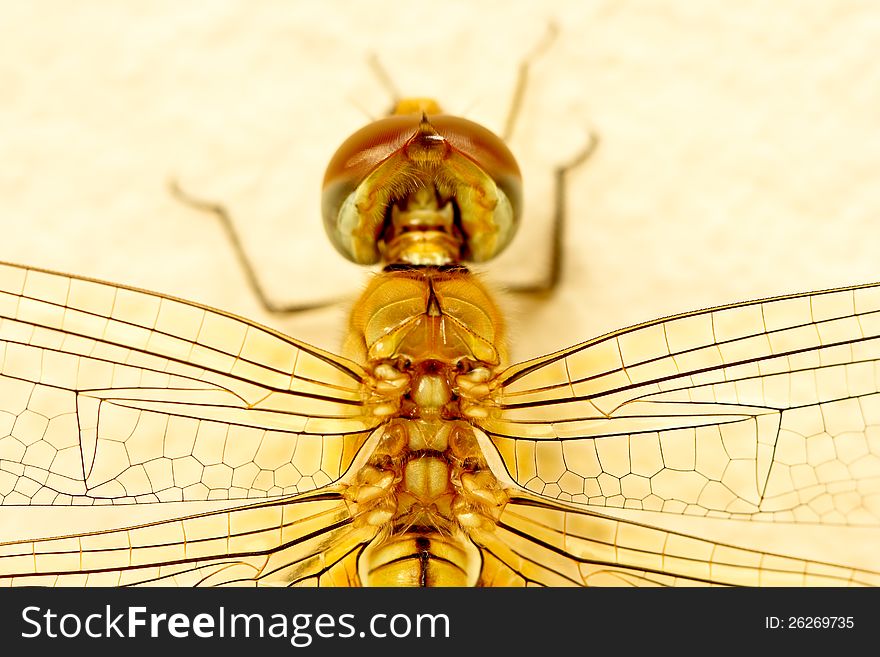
x=353, y=204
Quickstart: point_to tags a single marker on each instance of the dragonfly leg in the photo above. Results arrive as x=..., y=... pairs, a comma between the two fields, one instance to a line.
x=557, y=238
x=559, y=178
x=223, y=217
x=384, y=79
x=522, y=80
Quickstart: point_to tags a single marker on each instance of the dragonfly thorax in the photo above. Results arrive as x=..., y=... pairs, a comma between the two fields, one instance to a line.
x=419, y=314
x=428, y=492
x=433, y=339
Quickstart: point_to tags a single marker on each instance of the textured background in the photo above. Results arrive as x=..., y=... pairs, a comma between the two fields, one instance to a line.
x=739, y=155
x=740, y=143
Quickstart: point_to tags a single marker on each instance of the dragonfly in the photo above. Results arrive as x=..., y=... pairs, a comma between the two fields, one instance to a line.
x=217, y=451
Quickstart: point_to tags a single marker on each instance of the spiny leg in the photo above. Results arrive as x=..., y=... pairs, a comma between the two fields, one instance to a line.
x=384, y=79
x=557, y=237
x=522, y=79
x=559, y=174
x=223, y=216
x=387, y=83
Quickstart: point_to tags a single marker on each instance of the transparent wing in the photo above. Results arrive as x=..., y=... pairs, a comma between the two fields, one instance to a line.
x=538, y=542
x=764, y=410
x=301, y=541
x=110, y=394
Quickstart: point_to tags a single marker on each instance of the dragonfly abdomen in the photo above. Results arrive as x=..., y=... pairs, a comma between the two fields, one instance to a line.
x=420, y=559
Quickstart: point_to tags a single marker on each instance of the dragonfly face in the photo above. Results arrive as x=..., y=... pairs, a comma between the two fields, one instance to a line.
x=422, y=160
x=422, y=458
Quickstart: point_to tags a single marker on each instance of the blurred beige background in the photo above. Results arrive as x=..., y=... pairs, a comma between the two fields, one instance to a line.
x=739, y=157
x=740, y=144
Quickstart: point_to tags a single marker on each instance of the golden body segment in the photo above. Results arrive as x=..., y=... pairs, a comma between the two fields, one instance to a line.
x=148, y=440
x=427, y=486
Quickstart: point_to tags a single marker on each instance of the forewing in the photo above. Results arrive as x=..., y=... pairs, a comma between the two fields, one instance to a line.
x=762, y=410
x=110, y=394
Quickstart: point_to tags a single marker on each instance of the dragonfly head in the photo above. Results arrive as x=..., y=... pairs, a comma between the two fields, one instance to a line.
x=421, y=187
